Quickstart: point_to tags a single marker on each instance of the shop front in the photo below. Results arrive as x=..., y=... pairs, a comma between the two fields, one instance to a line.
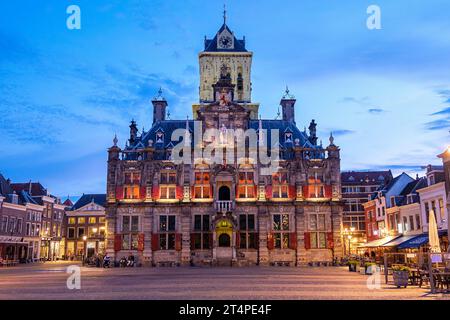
x=13, y=249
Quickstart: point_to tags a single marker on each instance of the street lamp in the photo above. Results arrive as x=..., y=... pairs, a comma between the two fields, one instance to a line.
x=84, y=248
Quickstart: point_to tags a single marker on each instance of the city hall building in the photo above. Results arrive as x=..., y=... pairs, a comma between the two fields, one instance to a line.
x=237, y=210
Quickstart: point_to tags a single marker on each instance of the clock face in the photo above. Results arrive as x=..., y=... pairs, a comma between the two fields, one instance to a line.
x=225, y=42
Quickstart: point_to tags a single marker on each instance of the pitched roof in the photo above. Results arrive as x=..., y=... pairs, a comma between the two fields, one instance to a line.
x=366, y=177
x=211, y=44
x=68, y=203
x=35, y=189
x=85, y=199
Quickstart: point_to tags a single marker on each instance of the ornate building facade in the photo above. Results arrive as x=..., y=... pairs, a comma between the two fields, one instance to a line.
x=235, y=210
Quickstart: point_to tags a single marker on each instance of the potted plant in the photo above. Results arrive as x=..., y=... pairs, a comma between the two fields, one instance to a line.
x=369, y=267
x=352, y=265
x=401, y=275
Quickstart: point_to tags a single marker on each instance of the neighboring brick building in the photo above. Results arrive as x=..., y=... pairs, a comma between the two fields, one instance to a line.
x=229, y=212
x=49, y=223
x=356, y=188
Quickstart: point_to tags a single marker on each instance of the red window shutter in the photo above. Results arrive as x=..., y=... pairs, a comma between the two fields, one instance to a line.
x=155, y=192
x=211, y=192
x=293, y=240
x=328, y=192
x=237, y=191
x=178, y=242
x=155, y=242
x=179, y=192
x=307, y=240
x=270, y=241
x=292, y=193
x=117, y=242
x=192, y=192
x=268, y=192
x=256, y=191
x=141, y=242
x=330, y=240
x=142, y=192
x=238, y=240
x=119, y=193
x=305, y=191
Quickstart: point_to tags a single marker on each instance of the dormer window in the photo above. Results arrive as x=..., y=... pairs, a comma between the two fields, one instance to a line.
x=351, y=178
x=288, y=137
x=159, y=137
x=409, y=198
x=431, y=180
x=393, y=201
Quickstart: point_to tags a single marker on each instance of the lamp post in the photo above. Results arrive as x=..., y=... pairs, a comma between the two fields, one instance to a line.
x=84, y=249
x=349, y=234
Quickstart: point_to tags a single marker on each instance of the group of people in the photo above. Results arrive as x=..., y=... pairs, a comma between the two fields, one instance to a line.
x=105, y=262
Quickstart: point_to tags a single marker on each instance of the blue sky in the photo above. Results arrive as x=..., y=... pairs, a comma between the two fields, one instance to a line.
x=64, y=93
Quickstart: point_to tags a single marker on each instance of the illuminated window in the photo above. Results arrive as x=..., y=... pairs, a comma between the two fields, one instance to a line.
x=131, y=185
x=167, y=232
x=246, y=187
x=202, y=185
x=168, y=186
x=317, y=231
x=92, y=220
x=280, y=185
x=101, y=220
x=247, y=231
x=81, y=220
x=280, y=227
x=71, y=220
x=130, y=229
x=315, y=185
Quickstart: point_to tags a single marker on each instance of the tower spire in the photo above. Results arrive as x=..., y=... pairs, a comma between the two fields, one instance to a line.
x=224, y=14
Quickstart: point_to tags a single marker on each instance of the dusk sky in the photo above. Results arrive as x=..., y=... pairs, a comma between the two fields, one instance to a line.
x=64, y=93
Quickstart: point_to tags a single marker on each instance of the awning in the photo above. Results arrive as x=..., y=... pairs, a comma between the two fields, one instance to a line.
x=419, y=240
x=399, y=241
x=379, y=242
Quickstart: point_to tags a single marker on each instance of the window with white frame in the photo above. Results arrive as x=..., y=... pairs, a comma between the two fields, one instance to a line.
x=317, y=229
x=167, y=185
x=280, y=227
x=130, y=230
x=280, y=185
x=201, y=235
x=131, y=185
x=247, y=231
x=246, y=188
x=202, y=187
x=316, y=187
x=167, y=229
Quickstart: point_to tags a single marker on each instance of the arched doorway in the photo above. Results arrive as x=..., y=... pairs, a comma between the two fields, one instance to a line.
x=224, y=240
x=224, y=193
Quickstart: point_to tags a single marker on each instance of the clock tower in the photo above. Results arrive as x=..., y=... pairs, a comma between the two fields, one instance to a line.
x=225, y=51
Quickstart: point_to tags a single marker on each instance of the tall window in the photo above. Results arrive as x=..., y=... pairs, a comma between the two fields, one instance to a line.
x=168, y=185
x=280, y=185
x=247, y=234
x=427, y=211
x=167, y=232
x=71, y=220
x=131, y=185
x=201, y=235
x=71, y=233
x=315, y=185
x=202, y=186
x=411, y=223
x=442, y=208
x=130, y=229
x=418, y=226
x=246, y=188
x=280, y=229
x=317, y=231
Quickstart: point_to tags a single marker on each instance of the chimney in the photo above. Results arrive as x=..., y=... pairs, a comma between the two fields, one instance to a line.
x=287, y=104
x=159, y=107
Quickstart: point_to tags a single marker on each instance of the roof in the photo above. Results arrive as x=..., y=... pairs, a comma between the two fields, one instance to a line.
x=168, y=126
x=68, y=203
x=418, y=241
x=211, y=44
x=85, y=199
x=379, y=242
x=366, y=177
x=33, y=188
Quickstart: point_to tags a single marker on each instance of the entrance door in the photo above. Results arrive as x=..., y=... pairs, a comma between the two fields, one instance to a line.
x=224, y=240
x=224, y=250
x=224, y=193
